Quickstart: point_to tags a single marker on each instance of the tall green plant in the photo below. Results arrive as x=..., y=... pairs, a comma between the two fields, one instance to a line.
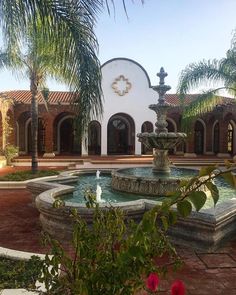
x=37, y=61
x=216, y=72
x=69, y=26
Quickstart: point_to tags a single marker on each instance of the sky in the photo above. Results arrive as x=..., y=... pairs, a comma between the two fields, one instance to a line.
x=168, y=33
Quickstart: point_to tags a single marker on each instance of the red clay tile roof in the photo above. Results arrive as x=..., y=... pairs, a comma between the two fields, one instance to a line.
x=55, y=97
x=24, y=96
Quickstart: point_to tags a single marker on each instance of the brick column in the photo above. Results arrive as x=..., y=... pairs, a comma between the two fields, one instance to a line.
x=190, y=150
x=223, y=149
x=209, y=137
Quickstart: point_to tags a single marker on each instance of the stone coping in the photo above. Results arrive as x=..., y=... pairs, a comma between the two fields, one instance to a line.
x=18, y=255
x=23, y=184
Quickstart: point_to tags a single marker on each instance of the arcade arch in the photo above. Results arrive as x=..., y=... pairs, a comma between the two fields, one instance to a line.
x=121, y=135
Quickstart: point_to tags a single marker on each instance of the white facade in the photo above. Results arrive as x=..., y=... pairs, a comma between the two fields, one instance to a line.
x=127, y=90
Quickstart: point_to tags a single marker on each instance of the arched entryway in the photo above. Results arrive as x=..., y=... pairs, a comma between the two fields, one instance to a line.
x=121, y=135
x=94, y=138
x=199, y=134
x=146, y=127
x=67, y=137
x=41, y=136
x=216, y=137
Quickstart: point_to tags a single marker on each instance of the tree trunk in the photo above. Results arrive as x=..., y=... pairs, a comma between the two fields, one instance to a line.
x=34, y=123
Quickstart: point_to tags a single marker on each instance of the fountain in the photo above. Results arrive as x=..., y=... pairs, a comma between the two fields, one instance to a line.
x=98, y=174
x=161, y=140
x=140, y=190
x=160, y=183
x=98, y=194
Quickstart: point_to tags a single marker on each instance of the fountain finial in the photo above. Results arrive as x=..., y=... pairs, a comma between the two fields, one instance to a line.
x=162, y=74
x=161, y=88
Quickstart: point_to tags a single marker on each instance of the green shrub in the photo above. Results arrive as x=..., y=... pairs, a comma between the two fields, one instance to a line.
x=26, y=175
x=10, y=152
x=18, y=273
x=112, y=256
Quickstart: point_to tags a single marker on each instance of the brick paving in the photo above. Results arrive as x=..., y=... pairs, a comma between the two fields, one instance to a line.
x=202, y=273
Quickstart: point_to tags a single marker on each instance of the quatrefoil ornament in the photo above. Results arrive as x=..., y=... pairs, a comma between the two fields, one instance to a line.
x=121, y=85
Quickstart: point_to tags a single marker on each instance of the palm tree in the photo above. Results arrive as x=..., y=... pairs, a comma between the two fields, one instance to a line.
x=217, y=72
x=70, y=24
x=37, y=61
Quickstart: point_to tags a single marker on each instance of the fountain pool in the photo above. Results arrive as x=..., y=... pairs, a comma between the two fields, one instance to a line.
x=204, y=230
x=88, y=181
x=137, y=190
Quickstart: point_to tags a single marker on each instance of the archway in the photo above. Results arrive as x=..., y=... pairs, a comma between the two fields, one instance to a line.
x=146, y=127
x=67, y=142
x=22, y=133
x=199, y=134
x=121, y=135
x=94, y=138
x=216, y=137
x=171, y=127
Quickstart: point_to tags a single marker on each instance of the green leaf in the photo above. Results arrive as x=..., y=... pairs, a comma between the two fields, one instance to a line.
x=198, y=199
x=214, y=191
x=58, y=203
x=207, y=170
x=164, y=222
x=183, y=182
x=184, y=208
x=172, y=217
x=230, y=178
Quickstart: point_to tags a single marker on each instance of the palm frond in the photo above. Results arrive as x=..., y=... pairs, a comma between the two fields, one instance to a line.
x=204, y=103
x=69, y=26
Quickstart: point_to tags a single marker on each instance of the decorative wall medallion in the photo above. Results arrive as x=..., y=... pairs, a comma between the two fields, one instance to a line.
x=121, y=85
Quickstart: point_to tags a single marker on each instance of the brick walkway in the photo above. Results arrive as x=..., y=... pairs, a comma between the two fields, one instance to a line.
x=203, y=273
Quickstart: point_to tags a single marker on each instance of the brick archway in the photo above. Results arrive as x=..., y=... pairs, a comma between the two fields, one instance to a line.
x=66, y=135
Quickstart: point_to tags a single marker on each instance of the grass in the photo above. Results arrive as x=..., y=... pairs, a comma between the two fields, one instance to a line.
x=16, y=274
x=26, y=175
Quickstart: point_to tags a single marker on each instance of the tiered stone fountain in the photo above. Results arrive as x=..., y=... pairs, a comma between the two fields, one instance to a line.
x=160, y=141
x=203, y=230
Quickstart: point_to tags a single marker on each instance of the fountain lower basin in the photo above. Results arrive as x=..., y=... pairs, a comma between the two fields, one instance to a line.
x=205, y=230
x=144, y=181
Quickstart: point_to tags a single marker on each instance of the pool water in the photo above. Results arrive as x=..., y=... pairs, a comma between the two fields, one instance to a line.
x=89, y=182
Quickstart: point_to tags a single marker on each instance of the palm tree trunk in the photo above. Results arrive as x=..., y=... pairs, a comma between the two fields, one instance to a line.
x=34, y=123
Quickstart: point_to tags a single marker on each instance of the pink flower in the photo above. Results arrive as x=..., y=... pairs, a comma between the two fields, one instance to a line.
x=177, y=288
x=152, y=282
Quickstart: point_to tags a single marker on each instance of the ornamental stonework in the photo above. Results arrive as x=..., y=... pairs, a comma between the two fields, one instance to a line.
x=121, y=85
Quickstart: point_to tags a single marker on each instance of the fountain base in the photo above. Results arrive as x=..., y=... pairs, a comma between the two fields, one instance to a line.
x=148, y=186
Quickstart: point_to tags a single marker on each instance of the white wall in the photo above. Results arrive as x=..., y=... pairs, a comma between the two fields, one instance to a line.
x=134, y=103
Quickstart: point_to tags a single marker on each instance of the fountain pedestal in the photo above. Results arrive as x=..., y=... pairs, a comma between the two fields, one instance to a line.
x=161, y=163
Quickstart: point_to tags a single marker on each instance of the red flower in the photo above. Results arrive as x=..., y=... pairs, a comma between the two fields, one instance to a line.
x=177, y=288
x=152, y=282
